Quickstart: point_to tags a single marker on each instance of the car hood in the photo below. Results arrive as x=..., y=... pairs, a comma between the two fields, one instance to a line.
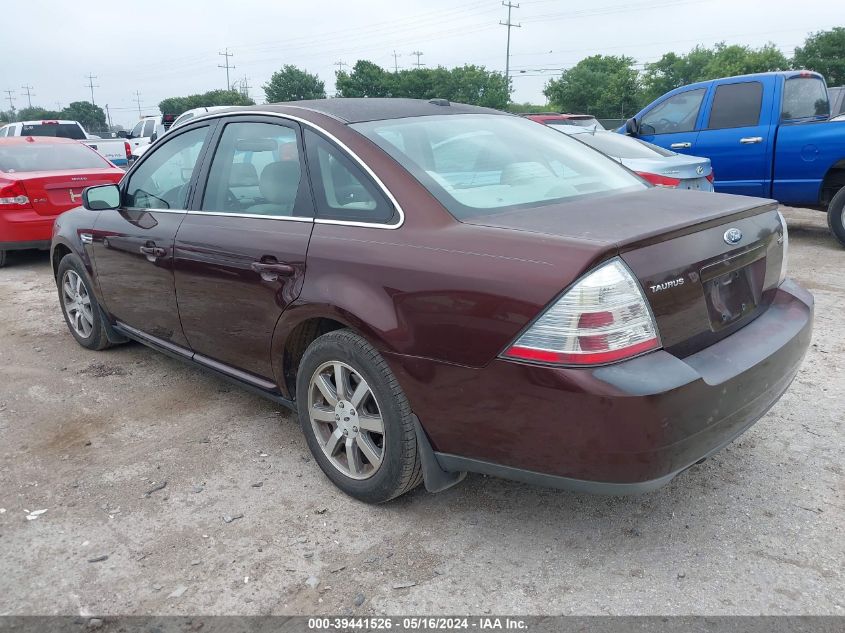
x=678, y=166
x=627, y=218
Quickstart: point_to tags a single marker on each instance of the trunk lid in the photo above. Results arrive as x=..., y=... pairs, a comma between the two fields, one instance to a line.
x=707, y=263
x=54, y=192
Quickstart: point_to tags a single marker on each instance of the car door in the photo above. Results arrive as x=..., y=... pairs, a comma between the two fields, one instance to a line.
x=672, y=122
x=240, y=252
x=133, y=245
x=134, y=138
x=734, y=139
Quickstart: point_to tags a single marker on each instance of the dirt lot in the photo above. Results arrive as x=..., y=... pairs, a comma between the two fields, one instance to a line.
x=84, y=435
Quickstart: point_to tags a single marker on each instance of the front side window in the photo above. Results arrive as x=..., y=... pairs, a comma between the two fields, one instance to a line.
x=161, y=181
x=342, y=190
x=478, y=164
x=676, y=114
x=256, y=170
x=804, y=98
x=736, y=105
x=136, y=131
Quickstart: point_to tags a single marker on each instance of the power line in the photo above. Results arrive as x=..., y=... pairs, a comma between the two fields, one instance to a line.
x=396, y=57
x=417, y=54
x=227, y=55
x=28, y=94
x=510, y=26
x=91, y=85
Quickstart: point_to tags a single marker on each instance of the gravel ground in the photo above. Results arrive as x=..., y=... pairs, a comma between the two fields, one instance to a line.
x=247, y=523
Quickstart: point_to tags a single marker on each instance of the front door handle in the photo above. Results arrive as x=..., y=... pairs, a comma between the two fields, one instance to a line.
x=272, y=270
x=680, y=145
x=751, y=140
x=152, y=251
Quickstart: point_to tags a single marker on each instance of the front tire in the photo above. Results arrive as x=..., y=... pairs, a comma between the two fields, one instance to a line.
x=356, y=418
x=836, y=216
x=79, y=305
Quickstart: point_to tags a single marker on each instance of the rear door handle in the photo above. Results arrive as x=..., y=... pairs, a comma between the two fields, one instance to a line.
x=680, y=145
x=152, y=251
x=751, y=140
x=272, y=270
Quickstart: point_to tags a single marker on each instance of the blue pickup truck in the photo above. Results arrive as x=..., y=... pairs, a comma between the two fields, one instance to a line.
x=767, y=134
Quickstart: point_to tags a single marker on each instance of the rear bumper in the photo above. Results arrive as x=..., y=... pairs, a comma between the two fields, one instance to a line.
x=25, y=228
x=624, y=428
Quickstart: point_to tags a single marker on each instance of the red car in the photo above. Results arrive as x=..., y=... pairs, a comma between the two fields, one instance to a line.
x=439, y=288
x=41, y=177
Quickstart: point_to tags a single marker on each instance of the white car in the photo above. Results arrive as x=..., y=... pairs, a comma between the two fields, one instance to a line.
x=160, y=128
x=115, y=150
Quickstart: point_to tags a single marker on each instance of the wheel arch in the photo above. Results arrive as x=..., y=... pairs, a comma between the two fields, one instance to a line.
x=833, y=181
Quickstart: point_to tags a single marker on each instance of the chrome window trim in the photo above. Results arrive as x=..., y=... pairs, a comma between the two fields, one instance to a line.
x=151, y=210
x=289, y=218
x=357, y=159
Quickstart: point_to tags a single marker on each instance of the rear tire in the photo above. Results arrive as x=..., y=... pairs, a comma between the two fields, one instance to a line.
x=836, y=216
x=79, y=305
x=2, y=258
x=362, y=435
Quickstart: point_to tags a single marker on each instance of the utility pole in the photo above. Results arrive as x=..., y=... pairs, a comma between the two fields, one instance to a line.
x=340, y=64
x=91, y=85
x=227, y=55
x=138, y=101
x=10, y=97
x=245, y=86
x=396, y=57
x=417, y=54
x=28, y=94
x=108, y=116
x=510, y=25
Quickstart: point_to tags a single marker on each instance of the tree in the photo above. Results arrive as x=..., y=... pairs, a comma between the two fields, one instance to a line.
x=293, y=84
x=366, y=80
x=606, y=86
x=6, y=117
x=89, y=115
x=477, y=86
x=824, y=52
x=178, y=105
x=733, y=60
x=37, y=113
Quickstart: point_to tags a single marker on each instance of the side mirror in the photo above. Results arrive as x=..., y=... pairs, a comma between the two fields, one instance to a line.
x=101, y=198
x=153, y=137
x=632, y=127
x=122, y=134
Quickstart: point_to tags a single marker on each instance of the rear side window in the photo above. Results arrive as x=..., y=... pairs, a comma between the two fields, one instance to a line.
x=803, y=98
x=49, y=156
x=736, y=105
x=342, y=190
x=677, y=114
x=149, y=127
x=58, y=130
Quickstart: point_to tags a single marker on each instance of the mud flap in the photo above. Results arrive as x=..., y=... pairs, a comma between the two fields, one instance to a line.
x=436, y=479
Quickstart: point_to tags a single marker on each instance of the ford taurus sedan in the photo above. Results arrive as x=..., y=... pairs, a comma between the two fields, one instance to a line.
x=439, y=289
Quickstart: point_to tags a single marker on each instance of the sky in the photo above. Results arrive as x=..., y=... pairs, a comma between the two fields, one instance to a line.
x=162, y=49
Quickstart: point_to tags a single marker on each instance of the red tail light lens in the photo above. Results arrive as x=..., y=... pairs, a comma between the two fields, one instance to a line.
x=660, y=181
x=128, y=149
x=711, y=177
x=603, y=318
x=13, y=195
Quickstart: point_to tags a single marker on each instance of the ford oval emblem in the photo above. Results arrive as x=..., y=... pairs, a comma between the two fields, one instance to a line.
x=733, y=236
x=699, y=170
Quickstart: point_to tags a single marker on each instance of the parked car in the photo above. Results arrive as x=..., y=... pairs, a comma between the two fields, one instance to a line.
x=115, y=150
x=564, y=120
x=147, y=129
x=41, y=177
x=438, y=288
x=161, y=130
x=837, y=101
x=767, y=134
x=661, y=167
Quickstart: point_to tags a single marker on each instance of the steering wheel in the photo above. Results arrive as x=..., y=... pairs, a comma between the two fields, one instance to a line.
x=232, y=200
x=666, y=124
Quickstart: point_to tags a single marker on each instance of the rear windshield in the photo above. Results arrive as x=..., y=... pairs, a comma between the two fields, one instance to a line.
x=49, y=157
x=584, y=122
x=479, y=164
x=61, y=130
x=804, y=97
x=619, y=146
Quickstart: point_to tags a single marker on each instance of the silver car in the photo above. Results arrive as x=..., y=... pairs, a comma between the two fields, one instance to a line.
x=657, y=165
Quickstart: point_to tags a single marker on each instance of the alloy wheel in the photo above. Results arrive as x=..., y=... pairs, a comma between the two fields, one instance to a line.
x=77, y=303
x=346, y=419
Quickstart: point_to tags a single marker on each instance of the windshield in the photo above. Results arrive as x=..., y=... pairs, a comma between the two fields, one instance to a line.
x=61, y=130
x=804, y=97
x=619, y=146
x=478, y=164
x=49, y=157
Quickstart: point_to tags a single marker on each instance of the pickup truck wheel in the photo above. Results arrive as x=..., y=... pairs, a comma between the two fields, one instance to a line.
x=356, y=418
x=79, y=305
x=836, y=216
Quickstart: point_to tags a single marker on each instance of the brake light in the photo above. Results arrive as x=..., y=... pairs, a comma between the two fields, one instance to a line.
x=603, y=318
x=128, y=149
x=13, y=195
x=49, y=122
x=660, y=181
x=711, y=176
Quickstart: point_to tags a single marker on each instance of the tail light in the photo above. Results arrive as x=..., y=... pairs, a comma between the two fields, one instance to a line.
x=660, y=181
x=603, y=318
x=13, y=195
x=128, y=149
x=711, y=176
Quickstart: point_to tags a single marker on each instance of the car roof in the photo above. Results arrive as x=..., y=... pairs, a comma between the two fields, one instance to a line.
x=46, y=140
x=358, y=110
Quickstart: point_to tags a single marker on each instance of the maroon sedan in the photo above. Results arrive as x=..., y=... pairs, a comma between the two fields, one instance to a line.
x=439, y=289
